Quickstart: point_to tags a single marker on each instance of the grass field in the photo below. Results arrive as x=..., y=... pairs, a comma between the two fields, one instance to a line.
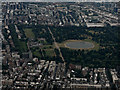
x=50, y=52
x=29, y=34
x=37, y=54
x=96, y=45
x=23, y=46
x=47, y=47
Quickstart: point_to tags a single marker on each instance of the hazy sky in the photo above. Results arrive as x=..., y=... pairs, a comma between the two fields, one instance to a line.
x=61, y=0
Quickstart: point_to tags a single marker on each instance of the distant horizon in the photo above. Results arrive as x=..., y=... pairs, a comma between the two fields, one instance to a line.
x=60, y=0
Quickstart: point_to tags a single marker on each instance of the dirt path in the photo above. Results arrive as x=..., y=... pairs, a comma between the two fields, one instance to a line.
x=56, y=45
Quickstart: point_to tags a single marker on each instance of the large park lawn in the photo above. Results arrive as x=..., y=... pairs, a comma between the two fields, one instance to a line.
x=29, y=34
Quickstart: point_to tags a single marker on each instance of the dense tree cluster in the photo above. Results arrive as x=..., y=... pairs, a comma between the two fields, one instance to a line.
x=107, y=37
x=103, y=58
x=65, y=33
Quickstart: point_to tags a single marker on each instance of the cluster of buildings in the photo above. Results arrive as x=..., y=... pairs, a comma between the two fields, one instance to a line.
x=0, y=46
x=59, y=14
x=23, y=73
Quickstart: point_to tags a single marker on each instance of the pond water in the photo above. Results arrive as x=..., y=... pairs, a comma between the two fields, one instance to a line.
x=79, y=45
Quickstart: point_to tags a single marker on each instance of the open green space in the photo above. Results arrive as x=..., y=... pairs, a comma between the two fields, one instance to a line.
x=29, y=34
x=50, y=52
x=104, y=39
x=45, y=50
x=20, y=45
x=37, y=54
x=47, y=47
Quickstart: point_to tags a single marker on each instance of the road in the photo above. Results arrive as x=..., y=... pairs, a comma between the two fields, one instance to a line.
x=56, y=45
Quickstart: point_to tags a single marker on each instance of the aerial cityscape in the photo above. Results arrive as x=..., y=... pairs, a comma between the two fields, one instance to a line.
x=60, y=45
